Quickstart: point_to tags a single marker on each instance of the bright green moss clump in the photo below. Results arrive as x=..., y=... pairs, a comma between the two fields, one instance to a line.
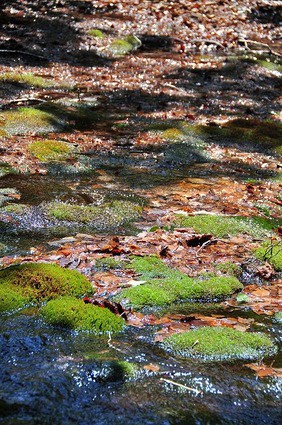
x=74, y=314
x=50, y=150
x=96, y=33
x=30, y=120
x=222, y=226
x=40, y=281
x=123, y=46
x=26, y=79
x=220, y=343
x=271, y=252
x=165, y=285
x=10, y=299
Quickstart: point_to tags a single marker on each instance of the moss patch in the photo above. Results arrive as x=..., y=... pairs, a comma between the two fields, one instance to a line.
x=271, y=252
x=40, y=281
x=30, y=120
x=123, y=46
x=228, y=268
x=50, y=150
x=11, y=299
x=219, y=344
x=165, y=285
x=107, y=263
x=222, y=226
x=96, y=33
x=74, y=314
x=6, y=169
x=27, y=78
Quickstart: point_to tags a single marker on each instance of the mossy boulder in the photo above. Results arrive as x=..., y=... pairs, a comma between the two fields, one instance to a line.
x=31, y=120
x=72, y=313
x=11, y=299
x=223, y=226
x=50, y=150
x=272, y=253
x=123, y=46
x=220, y=344
x=165, y=285
x=39, y=281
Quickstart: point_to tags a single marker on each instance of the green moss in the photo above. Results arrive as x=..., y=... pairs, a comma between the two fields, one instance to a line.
x=222, y=226
x=271, y=252
x=123, y=46
x=173, y=134
x=15, y=209
x=96, y=33
x=122, y=371
x=26, y=79
x=107, y=263
x=11, y=299
x=112, y=214
x=75, y=314
x=40, y=281
x=219, y=344
x=30, y=120
x=50, y=150
x=6, y=169
x=229, y=268
x=165, y=285
x=278, y=317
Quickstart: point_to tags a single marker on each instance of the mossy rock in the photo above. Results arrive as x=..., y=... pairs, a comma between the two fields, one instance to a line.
x=223, y=226
x=31, y=120
x=72, y=313
x=165, y=285
x=50, y=150
x=220, y=344
x=272, y=253
x=6, y=169
x=26, y=78
x=123, y=46
x=173, y=134
x=11, y=299
x=39, y=281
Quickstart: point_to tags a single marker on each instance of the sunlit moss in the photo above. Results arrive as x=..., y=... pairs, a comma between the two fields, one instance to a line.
x=228, y=268
x=10, y=298
x=165, y=285
x=222, y=226
x=123, y=46
x=271, y=251
x=30, y=120
x=40, y=281
x=219, y=344
x=26, y=78
x=74, y=314
x=50, y=150
x=96, y=33
x=173, y=134
x=14, y=208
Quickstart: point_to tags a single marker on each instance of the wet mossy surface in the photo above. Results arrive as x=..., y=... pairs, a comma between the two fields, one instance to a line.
x=165, y=285
x=223, y=226
x=39, y=281
x=50, y=150
x=72, y=313
x=10, y=298
x=271, y=251
x=220, y=344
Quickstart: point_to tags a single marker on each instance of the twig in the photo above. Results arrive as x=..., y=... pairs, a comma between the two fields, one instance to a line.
x=111, y=345
x=181, y=386
x=207, y=243
x=246, y=43
x=205, y=40
x=22, y=52
x=174, y=87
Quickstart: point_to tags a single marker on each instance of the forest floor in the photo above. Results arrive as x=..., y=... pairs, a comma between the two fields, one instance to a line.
x=188, y=65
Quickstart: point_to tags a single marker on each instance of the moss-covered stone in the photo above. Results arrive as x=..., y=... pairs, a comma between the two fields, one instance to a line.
x=40, y=281
x=271, y=252
x=220, y=344
x=74, y=314
x=165, y=285
x=30, y=120
x=26, y=78
x=123, y=46
x=11, y=299
x=96, y=33
x=50, y=150
x=223, y=226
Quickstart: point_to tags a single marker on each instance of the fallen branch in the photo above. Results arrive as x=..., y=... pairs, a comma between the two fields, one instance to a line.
x=207, y=41
x=246, y=43
x=22, y=52
x=181, y=386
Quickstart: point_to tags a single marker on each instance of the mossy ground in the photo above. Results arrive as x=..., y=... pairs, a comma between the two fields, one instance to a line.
x=6, y=169
x=50, y=150
x=74, y=314
x=26, y=78
x=219, y=344
x=228, y=268
x=96, y=33
x=223, y=226
x=271, y=251
x=123, y=46
x=30, y=120
x=165, y=285
x=40, y=281
x=107, y=263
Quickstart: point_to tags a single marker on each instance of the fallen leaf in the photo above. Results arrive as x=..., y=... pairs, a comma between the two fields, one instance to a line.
x=151, y=367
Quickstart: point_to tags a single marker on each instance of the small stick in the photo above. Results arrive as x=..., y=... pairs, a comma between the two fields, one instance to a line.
x=246, y=43
x=181, y=386
x=22, y=52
